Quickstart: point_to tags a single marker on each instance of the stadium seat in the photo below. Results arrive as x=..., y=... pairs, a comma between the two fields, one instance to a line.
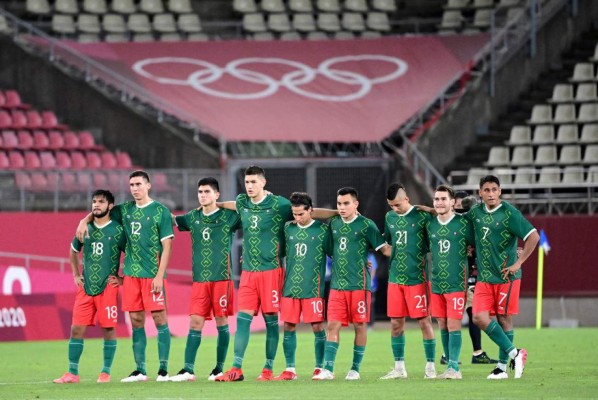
x=50, y=121
x=330, y=6
x=254, y=22
x=66, y=7
x=543, y=134
x=189, y=23
x=99, y=180
x=164, y=23
x=244, y=6
x=116, y=182
x=41, y=140
x=385, y=5
x=95, y=6
x=582, y=72
x=160, y=182
x=93, y=160
x=32, y=160
x=272, y=6
x=13, y=100
x=5, y=120
x=304, y=23
x=483, y=4
x=4, y=27
x=116, y=38
x=291, y=35
x=78, y=160
x=546, y=155
x=170, y=37
x=541, y=114
x=23, y=180
x=88, y=38
x=19, y=119
x=570, y=154
x=123, y=160
x=451, y=19
x=300, y=6
x=344, y=35
x=509, y=3
x=139, y=23
x=279, y=22
x=25, y=139
x=114, y=23
x=124, y=6
x=34, y=119
x=316, y=35
x=505, y=175
x=456, y=4
x=482, y=18
x=522, y=156
x=109, y=160
x=525, y=176
x=378, y=21
x=198, y=37
x=561, y=93
x=38, y=7
x=370, y=34
x=263, y=36
x=328, y=22
x=143, y=37
x=567, y=134
x=47, y=160
x=589, y=133
x=63, y=160
x=592, y=174
x=63, y=24
x=360, y=6
x=68, y=182
x=89, y=23
x=71, y=140
x=353, y=21
x=549, y=175
x=151, y=6
x=17, y=160
x=475, y=174
x=84, y=181
x=180, y=6
x=590, y=155
x=9, y=140
x=586, y=92
x=520, y=135
x=4, y=161
x=564, y=113
x=573, y=174
x=588, y=113
x=498, y=157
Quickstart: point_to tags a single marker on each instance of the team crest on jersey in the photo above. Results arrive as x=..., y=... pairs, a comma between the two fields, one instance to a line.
x=433, y=236
x=291, y=238
x=392, y=226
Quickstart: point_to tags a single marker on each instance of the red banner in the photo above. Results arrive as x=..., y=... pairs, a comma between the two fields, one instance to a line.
x=304, y=91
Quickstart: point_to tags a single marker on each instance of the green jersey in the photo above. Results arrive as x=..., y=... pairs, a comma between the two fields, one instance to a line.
x=448, y=245
x=146, y=227
x=496, y=233
x=263, y=231
x=351, y=242
x=306, y=249
x=406, y=233
x=212, y=238
x=101, y=255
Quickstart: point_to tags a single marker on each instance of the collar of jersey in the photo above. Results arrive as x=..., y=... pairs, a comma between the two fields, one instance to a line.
x=102, y=226
x=492, y=211
x=259, y=202
x=447, y=222
x=407, y=212
x=348, y=222
x=308, y=225
x=212, y=213
x=145, y=205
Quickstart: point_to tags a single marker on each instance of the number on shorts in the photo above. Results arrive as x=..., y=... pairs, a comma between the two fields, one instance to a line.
x=444, y=246
x=97, y=248
x=342, y=244
x=205, y=234
x=421, y=301
x=458, y=303
x=318, y=306
x=361, y=307
x=157, y=297
x=503, y=296
x=486, y=231
x=111, y=312
x=223, y=301
x=401, y=238
x=301, y=249
x=274, y=296
x=136, y=228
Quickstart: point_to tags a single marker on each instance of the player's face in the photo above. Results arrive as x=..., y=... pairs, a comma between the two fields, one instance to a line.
x=100, y=206
x=346, y=206
x=139, y=187
x=207, y=195
x=254, y=185
x=490, y=194
x=443, y=204
x=301, y=215
x=400, y=204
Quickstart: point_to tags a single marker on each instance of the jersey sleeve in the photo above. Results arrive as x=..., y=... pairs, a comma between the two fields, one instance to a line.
x=234, y=220
x=386, y=234
x=182, y=222
x=469, y=232
x=122, y=240
x=76, y=245
x=286, y=210
x=117, y=213
x=374, y=236
x=239, y=202
x=520, y=226
x=327, y=245
x=165, y=228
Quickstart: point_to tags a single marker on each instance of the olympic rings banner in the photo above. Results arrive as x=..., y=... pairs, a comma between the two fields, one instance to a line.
x=303, y=91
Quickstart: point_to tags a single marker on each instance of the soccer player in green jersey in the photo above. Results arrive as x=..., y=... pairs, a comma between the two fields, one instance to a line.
x=497, y=227
x=352, y=236
x=449, y=234
x=148, y=228
x=307, y=242
x=97, y=286
x=212, y=230
x=408, y=285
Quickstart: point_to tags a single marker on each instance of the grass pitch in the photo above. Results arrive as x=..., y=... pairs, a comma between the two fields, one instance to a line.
x=561, y=364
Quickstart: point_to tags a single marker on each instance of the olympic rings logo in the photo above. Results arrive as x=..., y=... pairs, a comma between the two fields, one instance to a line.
x=293, y=81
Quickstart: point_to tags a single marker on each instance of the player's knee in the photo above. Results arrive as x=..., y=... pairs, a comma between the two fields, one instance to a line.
x=77, y=331
x=481, y=320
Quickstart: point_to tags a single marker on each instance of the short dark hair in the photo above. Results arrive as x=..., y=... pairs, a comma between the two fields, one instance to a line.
x=255, y=170
x=468, y=202
x=446, y=188
x=461, y=194
x=489, y=179
x=299, y=199
x=209, y=181
x=107, y=194
x=348, y=190
x=140, y=173
x=393, y=189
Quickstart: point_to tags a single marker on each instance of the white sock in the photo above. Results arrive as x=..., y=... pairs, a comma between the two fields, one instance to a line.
x=400, y=364
x=291, y=369
x=513, y=353
x=430, y=364
x=502, y=367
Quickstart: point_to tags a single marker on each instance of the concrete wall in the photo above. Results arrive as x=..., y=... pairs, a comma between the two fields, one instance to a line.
x=582, y=309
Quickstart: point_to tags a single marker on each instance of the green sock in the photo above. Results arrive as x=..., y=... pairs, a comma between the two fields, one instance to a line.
x=193, y=342
x=320, y=347
x=241, y=338
x=398, y=347
x=444, y=338
x=503, y=357
x=109, y=350
x=75, y=351
x=163, y=346
x=139, y=343
x=330, y=355
x=430, y=349
x=455, y=341
x=498, y=336
x=272, y=337
x=222, y=346
x=289, y=345
x=358, y=352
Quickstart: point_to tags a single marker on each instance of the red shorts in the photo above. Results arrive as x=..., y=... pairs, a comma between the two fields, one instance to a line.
x=448, y=305
x=312, y=310
x=498, y=299
x=261, y=289
x=349, y=306
x=407, y=301
x=138, y=295
x=105, y=305
x=209, y=298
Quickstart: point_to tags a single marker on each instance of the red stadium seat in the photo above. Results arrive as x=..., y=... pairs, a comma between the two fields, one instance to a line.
x=40, y=140
x=4, y=161
x=10, y=140
x=69, y=182
x=84, y=180
x=47, y=159
x=93, y=160
x=71, y=140
x=123, y=160
x=32, y=160
x=19, y=120
x=23, y=180
x=115, y=181
x=17, y=161
x=86, y=140
x=13, y=100
x=25, y=139
x=109, y=160
x=78, y=160
x=56, y=140
x=63, y=160
x=160, y=182
x=39, y=182
x=99, y=180
x=50, y=121
x=54, y=181
x=34, y=119
x=5, y=120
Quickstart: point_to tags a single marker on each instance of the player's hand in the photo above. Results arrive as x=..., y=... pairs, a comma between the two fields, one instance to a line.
x=519, y=251
x=426, y=209
x=115, y=281
x=82, y=231
x=512, y=270
x=267, y=192
x=157, y=285
x=369, y=264
x=79, y=281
